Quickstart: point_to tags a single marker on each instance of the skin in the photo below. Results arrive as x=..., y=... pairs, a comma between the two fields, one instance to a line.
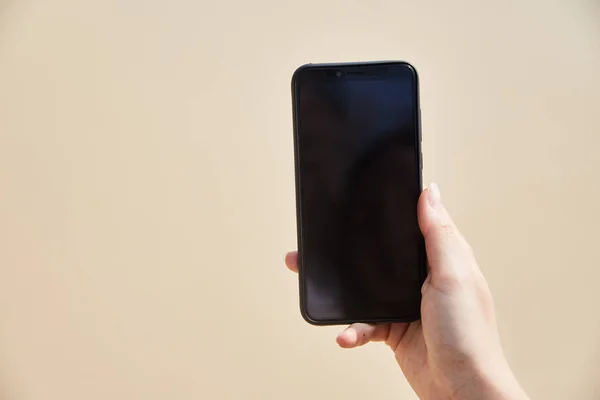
x=454, y=351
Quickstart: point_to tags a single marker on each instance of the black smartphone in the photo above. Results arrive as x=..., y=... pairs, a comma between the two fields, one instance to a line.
x=358, y=168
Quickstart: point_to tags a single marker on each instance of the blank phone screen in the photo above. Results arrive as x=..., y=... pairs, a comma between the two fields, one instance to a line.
x=358, y=183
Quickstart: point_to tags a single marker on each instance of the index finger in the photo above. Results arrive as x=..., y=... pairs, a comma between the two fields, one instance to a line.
x=291, y=261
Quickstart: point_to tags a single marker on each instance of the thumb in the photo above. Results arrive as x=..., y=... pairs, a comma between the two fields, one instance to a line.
x=448, y=254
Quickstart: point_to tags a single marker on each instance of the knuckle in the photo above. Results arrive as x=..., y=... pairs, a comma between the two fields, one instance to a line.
x=447, y=231
x=461, y=273
x=451, y=282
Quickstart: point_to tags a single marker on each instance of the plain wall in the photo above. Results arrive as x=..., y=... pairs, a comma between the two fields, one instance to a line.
x=147, y=195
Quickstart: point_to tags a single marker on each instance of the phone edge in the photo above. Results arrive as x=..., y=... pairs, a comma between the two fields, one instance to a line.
x=418, y=148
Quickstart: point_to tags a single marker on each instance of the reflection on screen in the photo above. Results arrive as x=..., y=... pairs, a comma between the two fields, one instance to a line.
x=359, y=185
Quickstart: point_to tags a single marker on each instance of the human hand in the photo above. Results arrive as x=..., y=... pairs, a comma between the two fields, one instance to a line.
x=454, y=351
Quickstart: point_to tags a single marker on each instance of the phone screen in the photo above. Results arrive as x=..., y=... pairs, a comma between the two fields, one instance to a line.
x=358, y=176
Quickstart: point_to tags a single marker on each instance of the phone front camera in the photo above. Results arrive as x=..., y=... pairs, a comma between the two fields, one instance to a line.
x=338, y=73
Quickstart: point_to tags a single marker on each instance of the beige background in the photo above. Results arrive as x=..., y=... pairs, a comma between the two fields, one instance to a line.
x=146, y=190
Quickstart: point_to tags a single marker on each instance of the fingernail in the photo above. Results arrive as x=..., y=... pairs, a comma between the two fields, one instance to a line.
x=433, y=195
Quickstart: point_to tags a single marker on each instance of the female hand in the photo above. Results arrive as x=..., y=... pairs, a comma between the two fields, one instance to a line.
x=454, y=351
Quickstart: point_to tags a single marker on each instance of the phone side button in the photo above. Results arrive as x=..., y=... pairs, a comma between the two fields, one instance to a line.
x=420, y=127
x=421, y=160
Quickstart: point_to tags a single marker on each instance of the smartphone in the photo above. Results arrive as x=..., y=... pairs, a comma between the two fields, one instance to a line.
x=358, y=169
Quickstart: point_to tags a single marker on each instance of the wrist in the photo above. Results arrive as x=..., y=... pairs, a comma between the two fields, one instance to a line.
x=496, y=382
